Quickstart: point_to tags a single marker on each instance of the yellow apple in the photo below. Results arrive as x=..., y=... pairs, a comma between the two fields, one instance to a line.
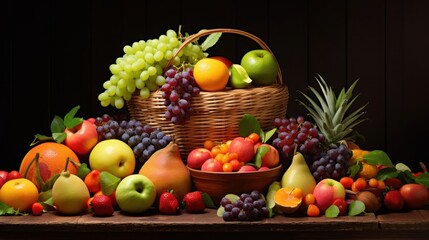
x=113, y=156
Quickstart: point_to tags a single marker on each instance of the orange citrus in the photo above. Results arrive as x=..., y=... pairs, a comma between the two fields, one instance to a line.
x=52, y=161
x=368, y=171
x=211, y=74
x=19, y=193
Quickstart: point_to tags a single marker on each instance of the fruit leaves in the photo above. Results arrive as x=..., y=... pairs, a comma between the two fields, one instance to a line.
x=58, y=125
x=249, y=124
x=210, y=41
x=108, y=182
x=377, y=157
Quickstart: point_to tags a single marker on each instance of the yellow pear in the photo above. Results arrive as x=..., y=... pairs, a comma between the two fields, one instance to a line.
x=167, y=171
x=70, y=194
x=299, y=175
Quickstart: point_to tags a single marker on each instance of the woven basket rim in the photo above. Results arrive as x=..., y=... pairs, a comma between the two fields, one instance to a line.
x=196, y=36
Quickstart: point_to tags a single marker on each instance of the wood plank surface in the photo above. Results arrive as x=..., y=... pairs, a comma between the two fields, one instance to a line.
x=409, y=225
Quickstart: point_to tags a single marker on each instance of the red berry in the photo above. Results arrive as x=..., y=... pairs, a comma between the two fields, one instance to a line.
x=102, y=206
x=37, y=209
x=194, y=202
x=168, y=204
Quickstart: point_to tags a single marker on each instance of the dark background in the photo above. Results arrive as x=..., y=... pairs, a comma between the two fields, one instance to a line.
x=56, y=55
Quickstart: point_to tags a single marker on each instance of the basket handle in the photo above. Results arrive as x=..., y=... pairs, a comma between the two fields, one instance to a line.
x=201, y=33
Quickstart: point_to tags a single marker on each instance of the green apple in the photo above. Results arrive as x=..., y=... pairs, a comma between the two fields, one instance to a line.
x=113, y=156
x=261, y=66
x=135, y=194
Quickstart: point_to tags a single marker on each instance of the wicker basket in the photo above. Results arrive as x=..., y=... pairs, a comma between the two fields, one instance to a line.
x=216, y=114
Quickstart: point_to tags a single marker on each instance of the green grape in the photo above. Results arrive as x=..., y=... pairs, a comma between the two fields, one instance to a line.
x=160, y=80
x=103, y=96
x=128, y=49
x=152, y=71
x=111, y=91
x=144, y=75
x=144, y=93
x=141, y=67
x=140, y=83
x=107, y=84
x=119, y=102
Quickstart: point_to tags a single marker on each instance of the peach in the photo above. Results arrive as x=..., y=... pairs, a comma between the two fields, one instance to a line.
x=271, y=158
x=244, y=149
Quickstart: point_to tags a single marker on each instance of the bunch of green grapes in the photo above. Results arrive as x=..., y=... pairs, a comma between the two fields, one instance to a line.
x=141, y=68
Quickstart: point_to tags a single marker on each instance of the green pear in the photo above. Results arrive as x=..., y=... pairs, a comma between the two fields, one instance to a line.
x=239, y=77
x=299, y=175
x=70, y=194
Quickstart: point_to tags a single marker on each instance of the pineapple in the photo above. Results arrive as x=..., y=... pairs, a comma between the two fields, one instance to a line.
x=329, y=113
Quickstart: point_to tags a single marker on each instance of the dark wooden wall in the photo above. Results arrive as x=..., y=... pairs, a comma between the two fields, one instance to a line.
x=56, y=55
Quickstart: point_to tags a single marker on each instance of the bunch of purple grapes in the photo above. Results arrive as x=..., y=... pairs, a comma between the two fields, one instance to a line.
x=177, y=92
x=142, y=138
x=249, y=207
x=297, y=133
x=332, y=163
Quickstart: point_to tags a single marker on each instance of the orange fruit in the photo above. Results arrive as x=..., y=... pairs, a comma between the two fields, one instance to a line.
x=19, y=193
x=288, y=199
x=368, y=171
x=52, y=161
x=211, y=74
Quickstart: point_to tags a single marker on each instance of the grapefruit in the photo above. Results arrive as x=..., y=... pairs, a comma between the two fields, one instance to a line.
x=52, y=160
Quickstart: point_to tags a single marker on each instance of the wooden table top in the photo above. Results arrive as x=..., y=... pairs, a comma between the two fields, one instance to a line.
x=407, y=225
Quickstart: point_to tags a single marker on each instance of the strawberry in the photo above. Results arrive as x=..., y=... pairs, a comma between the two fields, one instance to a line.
x=194, y=202
x=102, y=206
x=168, y=203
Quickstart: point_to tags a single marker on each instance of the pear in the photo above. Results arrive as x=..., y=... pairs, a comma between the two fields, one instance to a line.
x=239, y=77
x=167, y=171
x=298, y=174
x=70, y=194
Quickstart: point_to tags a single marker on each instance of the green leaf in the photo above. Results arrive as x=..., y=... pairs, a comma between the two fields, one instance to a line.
x=59, y=137
x=247, y=125
x=260, y=152
x=45, y=198
x=208, y=201
x=57, y=125
x=332, y=211
x=210, y=41
x=108, y=182
x=423, y=179
x=389, y=172
x=353, y=170
x=356, y=207
x=377, y=157
x=269, y=134
x=48, y=185
x=83, y=171
x=7, y=210
x=70, y=121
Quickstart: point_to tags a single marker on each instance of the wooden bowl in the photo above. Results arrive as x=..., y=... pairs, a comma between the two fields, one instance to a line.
x=218, y=184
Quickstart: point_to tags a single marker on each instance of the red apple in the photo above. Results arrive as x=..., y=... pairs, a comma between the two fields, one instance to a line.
x=264, y=168
x=342, y=205
x=415, y=195
x=394, y=183
x=3, y=174
x=14, y=174
x=225, y=60
x=247, y=168
x=197, y=157
x=212, y=165
x=326, y=191
x=393, y=200
x=2, y=181
x=82, y=138
x=270, y=157
x=243, y=147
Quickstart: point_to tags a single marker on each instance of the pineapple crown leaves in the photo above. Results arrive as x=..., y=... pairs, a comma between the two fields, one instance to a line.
x=331, y=112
